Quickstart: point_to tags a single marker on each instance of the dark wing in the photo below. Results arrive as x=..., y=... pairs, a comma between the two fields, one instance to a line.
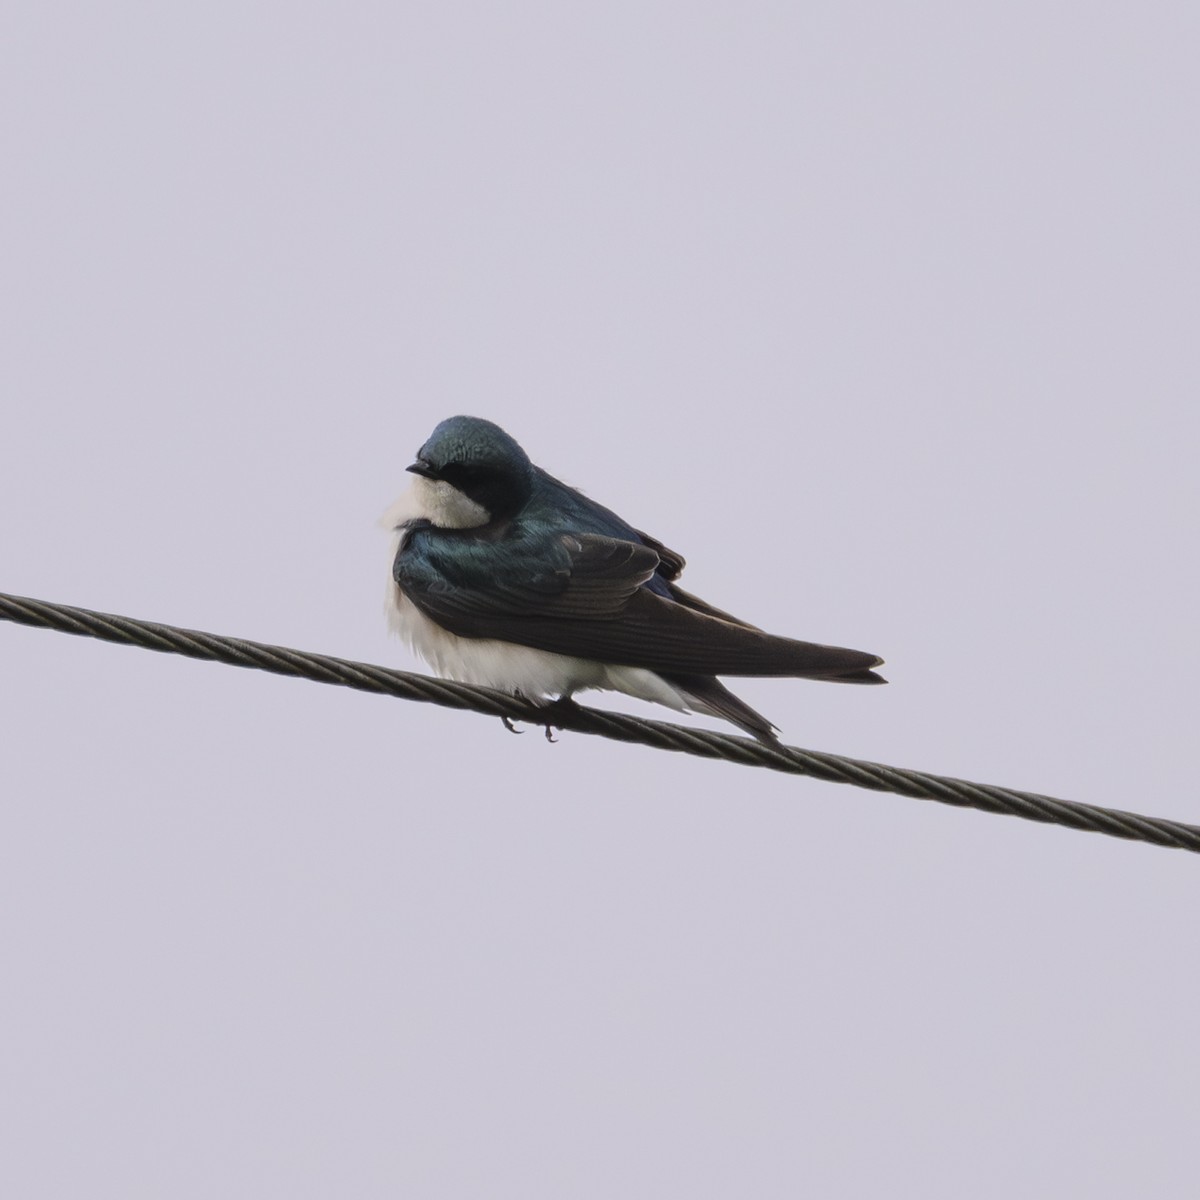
x=702, y=606
x=585, y=595
x=670, y=562
x=555, y=502
x=670, y=567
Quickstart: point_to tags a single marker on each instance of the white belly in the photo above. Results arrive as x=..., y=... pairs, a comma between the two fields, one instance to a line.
x=538, y=675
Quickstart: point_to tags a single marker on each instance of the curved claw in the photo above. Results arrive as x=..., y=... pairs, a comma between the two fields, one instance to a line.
x=563, y=705
x=510, y=726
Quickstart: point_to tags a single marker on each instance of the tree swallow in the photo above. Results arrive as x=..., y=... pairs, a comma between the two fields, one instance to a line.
x=506, y=577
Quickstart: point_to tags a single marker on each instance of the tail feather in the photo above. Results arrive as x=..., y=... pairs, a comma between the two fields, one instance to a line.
x=707, y=694
x=855, y=677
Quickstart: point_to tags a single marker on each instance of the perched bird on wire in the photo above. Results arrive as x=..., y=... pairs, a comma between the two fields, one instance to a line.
x=506, y=577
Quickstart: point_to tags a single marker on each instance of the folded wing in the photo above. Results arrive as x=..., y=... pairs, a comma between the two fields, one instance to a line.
x=585, y=595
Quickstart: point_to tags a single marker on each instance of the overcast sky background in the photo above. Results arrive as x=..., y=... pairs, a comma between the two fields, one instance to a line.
x=883, y=314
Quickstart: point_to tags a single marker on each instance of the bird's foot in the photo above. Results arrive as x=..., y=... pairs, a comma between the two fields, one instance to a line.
x=563, y=706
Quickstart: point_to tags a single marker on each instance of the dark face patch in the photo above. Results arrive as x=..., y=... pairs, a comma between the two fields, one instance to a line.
x=490, y=486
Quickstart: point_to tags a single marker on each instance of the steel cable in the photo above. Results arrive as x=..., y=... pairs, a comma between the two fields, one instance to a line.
x=366, y=677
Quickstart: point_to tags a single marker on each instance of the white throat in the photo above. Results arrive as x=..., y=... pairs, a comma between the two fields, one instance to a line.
x=437, y=501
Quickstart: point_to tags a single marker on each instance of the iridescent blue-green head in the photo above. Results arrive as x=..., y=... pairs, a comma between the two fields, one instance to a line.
x=478, y=459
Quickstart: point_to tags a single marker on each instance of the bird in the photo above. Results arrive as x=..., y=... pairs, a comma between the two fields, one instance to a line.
x=506, y=577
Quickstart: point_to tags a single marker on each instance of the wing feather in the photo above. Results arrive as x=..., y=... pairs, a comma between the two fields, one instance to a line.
x=587, y=597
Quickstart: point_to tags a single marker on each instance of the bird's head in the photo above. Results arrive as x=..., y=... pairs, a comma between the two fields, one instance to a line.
x=473, y=472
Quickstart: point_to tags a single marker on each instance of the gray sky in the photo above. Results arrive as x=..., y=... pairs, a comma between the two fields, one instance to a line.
x=884, y=315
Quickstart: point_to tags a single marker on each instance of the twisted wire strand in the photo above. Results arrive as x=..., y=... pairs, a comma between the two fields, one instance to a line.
x=367, y=677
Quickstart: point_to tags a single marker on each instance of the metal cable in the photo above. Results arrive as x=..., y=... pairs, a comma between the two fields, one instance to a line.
x=664, y=736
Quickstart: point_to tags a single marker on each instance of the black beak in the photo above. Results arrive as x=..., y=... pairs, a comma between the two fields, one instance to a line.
x=421, y=467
